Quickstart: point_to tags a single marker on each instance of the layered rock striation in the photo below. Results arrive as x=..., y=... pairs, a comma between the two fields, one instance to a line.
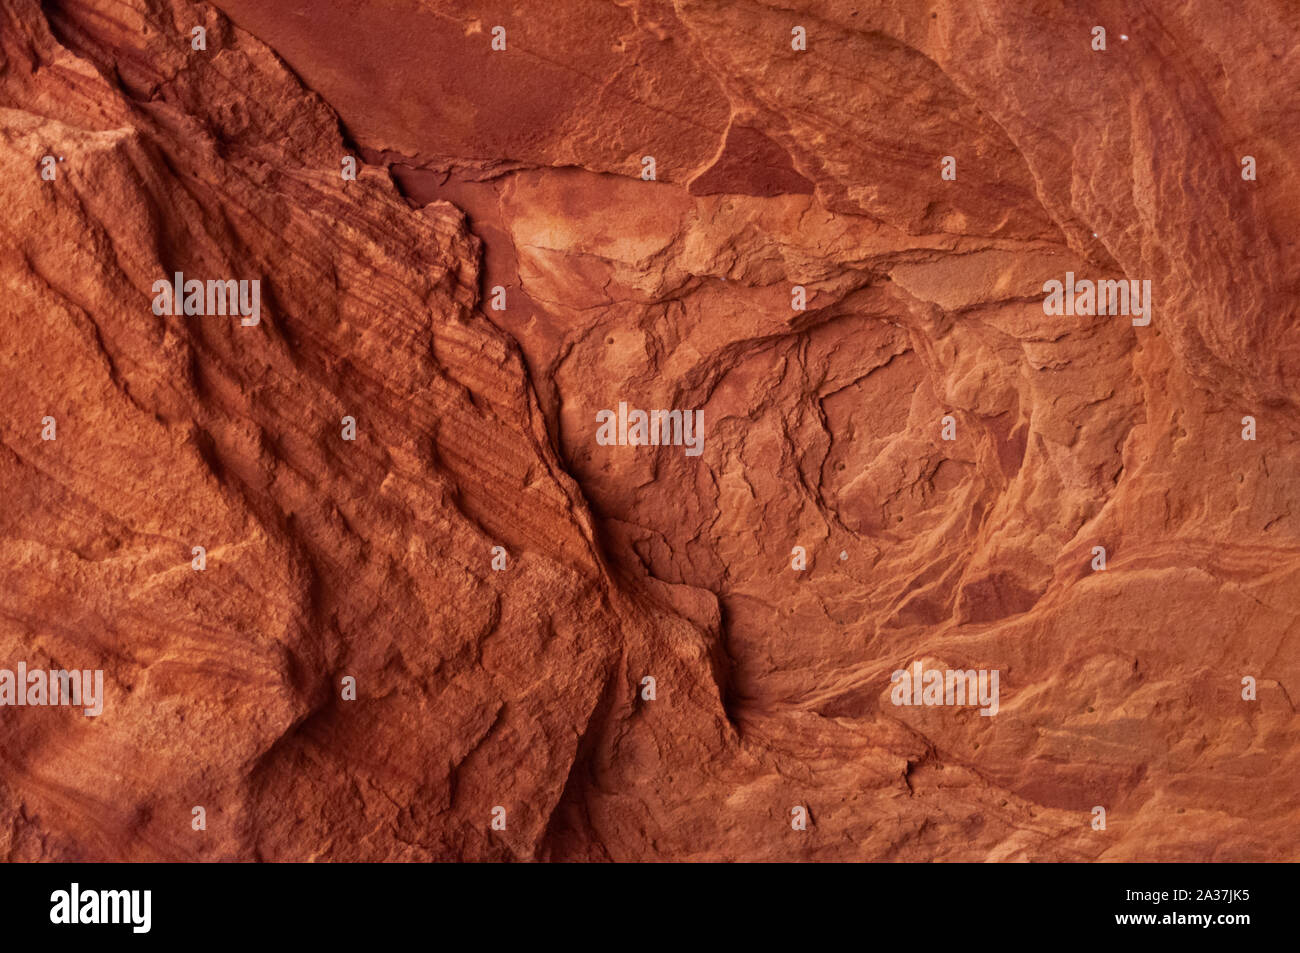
x=905, y=460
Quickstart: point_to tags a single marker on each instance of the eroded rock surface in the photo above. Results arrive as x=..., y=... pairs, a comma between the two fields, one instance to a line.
x=521, y=169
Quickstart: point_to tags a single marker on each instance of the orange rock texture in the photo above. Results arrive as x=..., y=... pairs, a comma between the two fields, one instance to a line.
x=715, y=206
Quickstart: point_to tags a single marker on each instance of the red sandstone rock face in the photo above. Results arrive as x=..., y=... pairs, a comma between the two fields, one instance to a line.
x=476, y=428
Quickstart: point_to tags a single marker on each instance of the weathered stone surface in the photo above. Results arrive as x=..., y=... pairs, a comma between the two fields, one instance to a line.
x=476, y=428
